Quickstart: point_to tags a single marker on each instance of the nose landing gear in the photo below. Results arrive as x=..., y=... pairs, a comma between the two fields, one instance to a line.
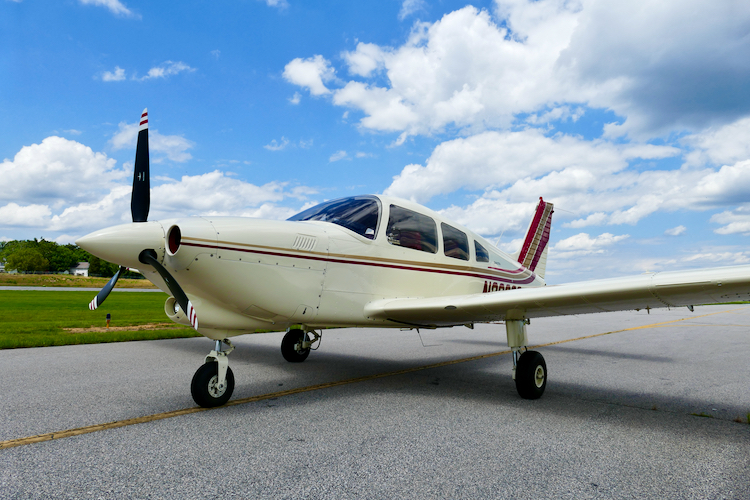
x=213, y=383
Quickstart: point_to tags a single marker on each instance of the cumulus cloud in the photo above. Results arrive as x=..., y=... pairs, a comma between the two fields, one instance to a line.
x=55, y=172
x=584, y=244
x=310, y=73
x=114, y=76
x=493, y=159
x=664, y=65
x=64, y=187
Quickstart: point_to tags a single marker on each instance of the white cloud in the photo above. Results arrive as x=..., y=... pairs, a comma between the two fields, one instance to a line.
x=583, y=244
x=735, y=221
x=296, y=98
x=114, y=6
x=56, y=172
x=165, y=69
x=409, y=7
x=13, y=214
x=275, y=145
x=720, y=145
x=116, y=76
x=663, y=66
x=338, y=155
x=62, y=186
x=280, y=4
x=367, y=58
x=310, y=73
x=675, y=231
x=494, y=159
x=171, y=147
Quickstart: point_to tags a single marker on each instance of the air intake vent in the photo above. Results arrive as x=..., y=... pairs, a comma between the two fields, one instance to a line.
x=305, y=243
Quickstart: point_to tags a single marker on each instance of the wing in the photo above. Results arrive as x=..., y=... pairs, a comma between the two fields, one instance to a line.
x=653, y=290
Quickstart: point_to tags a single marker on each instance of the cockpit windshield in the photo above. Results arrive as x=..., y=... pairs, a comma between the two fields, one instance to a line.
x=360, y=214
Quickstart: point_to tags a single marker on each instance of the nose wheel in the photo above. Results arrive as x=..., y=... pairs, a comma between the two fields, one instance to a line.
x=213, y=383
x=206, y=389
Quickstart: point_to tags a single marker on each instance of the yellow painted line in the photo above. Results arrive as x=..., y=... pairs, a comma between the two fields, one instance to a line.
x=10, y=443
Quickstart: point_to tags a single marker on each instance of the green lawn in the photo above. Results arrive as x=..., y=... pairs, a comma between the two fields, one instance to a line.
x=37, y=318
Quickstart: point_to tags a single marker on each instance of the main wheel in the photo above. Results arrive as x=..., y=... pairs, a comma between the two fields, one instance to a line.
x=531, y=375
x=288, y=349
x=204, y=386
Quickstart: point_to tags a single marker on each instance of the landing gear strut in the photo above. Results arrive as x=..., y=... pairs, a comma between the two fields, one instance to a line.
x=213, y=383
x=529, y=368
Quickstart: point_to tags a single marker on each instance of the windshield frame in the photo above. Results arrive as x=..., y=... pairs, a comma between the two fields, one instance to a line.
x=328, y=211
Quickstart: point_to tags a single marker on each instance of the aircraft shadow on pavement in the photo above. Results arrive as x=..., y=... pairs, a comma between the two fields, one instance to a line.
x=486, y=381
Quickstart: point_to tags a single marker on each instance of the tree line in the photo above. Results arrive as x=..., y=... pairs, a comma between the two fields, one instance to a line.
x=40, y=255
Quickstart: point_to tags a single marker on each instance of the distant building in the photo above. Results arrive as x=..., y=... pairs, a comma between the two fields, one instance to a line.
x=2, y=267
x=82, y=269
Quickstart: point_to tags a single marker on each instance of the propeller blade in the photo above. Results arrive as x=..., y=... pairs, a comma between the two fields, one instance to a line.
x=149, y=257
x=140, y=200
x=105, y=291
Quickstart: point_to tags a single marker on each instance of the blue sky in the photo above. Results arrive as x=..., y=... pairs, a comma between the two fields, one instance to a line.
x=632, y=117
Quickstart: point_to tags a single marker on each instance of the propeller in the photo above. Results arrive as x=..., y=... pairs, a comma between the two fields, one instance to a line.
x=140, y=199
x=140, y=202
x=105, y=291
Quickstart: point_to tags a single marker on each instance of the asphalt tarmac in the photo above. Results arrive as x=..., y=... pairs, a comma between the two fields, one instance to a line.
x=658, y=408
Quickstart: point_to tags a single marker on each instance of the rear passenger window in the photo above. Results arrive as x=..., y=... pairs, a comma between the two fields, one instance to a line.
x=410, y=229
x=482, y=254
x=455, y=242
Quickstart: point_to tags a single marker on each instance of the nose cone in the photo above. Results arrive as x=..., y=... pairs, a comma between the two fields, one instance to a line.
x=123, y=244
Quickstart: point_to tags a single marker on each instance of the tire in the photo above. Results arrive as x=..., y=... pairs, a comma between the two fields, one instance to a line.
x=292, y=338
x=203, y=386
x=531, y=375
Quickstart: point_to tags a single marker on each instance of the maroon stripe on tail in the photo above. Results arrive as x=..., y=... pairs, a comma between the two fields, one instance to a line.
x=532, y=230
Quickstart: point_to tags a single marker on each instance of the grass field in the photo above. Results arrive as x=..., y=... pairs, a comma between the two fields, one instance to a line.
x=7, y=279
x=39, y=318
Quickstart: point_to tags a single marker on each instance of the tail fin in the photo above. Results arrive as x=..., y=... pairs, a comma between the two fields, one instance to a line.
x=533, y=254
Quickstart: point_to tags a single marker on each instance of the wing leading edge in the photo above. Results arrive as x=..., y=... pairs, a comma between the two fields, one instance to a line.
x=653, y=290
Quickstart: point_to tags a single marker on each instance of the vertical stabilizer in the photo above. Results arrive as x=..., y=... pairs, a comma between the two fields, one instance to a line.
x=533, y=254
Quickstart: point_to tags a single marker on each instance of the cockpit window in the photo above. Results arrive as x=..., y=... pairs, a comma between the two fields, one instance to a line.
x=360, y=214
x=410, y=229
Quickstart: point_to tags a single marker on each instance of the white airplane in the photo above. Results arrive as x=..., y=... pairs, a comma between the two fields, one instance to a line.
x=364, y=261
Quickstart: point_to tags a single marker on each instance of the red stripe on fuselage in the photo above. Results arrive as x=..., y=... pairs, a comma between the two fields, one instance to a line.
x=371, y=264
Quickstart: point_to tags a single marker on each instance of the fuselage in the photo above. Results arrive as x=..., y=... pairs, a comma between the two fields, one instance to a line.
x=244, y=275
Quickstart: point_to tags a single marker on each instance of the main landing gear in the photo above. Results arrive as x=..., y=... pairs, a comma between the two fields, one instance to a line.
x=213, y=383
x=529, y=368
x=296, y=344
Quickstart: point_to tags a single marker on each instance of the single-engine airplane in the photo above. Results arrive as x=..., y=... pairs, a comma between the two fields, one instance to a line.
x=364, y=261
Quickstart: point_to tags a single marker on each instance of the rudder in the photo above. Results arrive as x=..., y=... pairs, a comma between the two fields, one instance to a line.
x=533, y=253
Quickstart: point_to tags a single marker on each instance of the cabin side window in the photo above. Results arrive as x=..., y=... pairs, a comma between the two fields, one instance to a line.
x=410, y=229
x=455, y=242
x=482, y=254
